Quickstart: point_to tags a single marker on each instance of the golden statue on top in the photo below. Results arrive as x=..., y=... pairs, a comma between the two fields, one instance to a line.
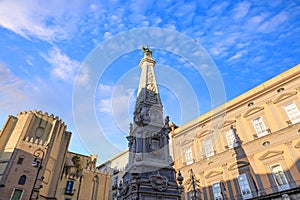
x=147, y=52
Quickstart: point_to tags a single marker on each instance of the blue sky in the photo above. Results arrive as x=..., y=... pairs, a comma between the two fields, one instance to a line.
x=45, y=45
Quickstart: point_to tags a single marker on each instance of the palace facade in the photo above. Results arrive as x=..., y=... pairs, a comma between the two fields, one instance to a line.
x=248, y=148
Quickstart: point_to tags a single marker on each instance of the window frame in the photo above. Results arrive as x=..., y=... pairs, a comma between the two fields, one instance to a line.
x=281, y=187
x=291, y=114
x=263, y=129
x=208, y=152
x=217, y=195
x=22, y=179
x=232, y=135
x=12, y=194
x=70, y=191
x=189, y=156
x=247, y=195
x=20, y=160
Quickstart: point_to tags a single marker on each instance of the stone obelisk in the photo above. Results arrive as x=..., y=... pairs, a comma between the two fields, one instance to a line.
x=149, y=173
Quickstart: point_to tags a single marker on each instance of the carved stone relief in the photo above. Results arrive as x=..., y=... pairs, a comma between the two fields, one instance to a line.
x=159, y=182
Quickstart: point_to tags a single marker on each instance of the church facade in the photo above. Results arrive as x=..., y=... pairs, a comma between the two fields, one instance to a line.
x=32, y=149
x=35, y=162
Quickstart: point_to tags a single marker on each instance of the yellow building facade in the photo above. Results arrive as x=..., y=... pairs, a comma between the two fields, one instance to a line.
x=248, y=148
x=81, y=180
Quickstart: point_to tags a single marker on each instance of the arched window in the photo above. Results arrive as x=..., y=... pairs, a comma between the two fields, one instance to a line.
x=95, y=187
x=22, y=180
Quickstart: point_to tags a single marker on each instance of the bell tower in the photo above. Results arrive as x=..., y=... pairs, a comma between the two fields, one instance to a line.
x=149, y=173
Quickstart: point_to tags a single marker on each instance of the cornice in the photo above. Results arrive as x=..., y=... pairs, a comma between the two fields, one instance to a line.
x=261, y=89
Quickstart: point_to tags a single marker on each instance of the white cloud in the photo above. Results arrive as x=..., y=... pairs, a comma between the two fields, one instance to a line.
x=218, y=8
x=118, y=96
x=241, y=10
x=114, y=18
x=238, y=55
x=105, y=106
x=61, y=66
x=11, y=89
x=107, y=35
x=255, y=21
x=35, y=19
x=20, y=18
x=273, y=23
x=105, y=90
x=83, y=76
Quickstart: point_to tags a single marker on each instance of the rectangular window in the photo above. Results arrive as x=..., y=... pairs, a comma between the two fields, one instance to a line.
x=20, y=161
x=115, y=183
x=189, y=156
x=231, y=139
x=293, y=112
x=279, y=177
x=217, y=191
x=209, y=149
x=17, y=194
x=259, y=127
x=191, y=194
x=244, y=186
x=70, y=187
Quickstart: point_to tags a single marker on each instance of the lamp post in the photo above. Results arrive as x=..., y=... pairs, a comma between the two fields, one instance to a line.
x=180, y=180
x=194, y=183
x=37, y=162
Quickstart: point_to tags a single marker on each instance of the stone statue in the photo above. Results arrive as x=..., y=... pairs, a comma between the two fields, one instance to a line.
x=130, y=128
x=147, y=52
x=167, y=120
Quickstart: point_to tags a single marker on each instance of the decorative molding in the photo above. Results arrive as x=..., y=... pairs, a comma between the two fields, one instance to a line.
x=253, y=111
x=237, y=165
x=284, y=96
x=213, y=173
x=270, y=154
x=227, y=123
x=159, y=182
x=297, y=146
x=187, y=141
x=203, y=133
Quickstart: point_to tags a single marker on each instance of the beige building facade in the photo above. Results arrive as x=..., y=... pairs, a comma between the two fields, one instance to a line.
x=248, y=148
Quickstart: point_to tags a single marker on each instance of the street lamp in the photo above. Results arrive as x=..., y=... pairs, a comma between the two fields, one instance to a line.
x=195, y=183
x=180, y=180
x=37, y=162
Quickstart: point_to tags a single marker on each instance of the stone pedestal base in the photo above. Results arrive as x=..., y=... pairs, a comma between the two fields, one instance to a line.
x=159, y=184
